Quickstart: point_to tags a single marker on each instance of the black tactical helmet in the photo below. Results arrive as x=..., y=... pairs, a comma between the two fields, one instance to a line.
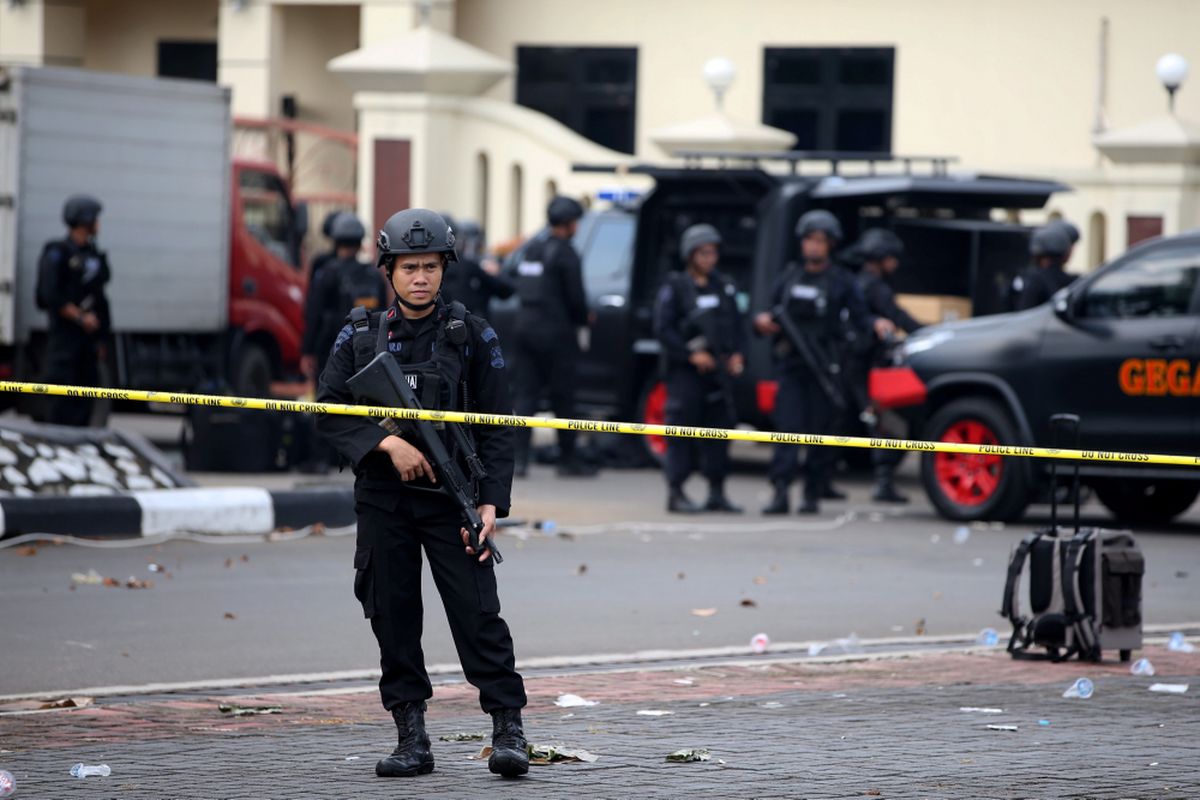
x=417, y=230
x=819, y=220
x=1067, y=227
x=879, y=243
x=80, y=209
x=563, y=210
x=327, y=224
x=347, y=228
x=470, y=239
x=1049, y=240
x=697, y=236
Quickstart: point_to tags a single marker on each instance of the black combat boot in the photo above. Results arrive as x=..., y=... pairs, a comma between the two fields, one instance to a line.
x=717, y=501
x=811, y=502
x=510, y=753
x=678, y=502
x=412, y=755
x=830, y=492
x=885, y=487
x=779, y=503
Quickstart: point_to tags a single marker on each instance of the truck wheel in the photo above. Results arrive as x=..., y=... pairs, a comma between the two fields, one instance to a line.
x=652, y=410
x=252, y=372
x=1146, y=502
x=970, y=487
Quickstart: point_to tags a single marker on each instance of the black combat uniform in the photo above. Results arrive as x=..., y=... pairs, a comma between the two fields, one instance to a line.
x=881, y=301
x=553, y=309
x=690, y=317
x=827, y=306
x=340, y=285
x=473, y=286
x=68, y=273
x=1036, y=285
x=453, y=361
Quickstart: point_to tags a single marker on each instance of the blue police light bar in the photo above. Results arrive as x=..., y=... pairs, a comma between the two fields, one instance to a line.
x=618, y=195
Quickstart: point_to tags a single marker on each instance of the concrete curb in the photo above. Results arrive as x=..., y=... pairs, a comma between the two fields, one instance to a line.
x=215, y=511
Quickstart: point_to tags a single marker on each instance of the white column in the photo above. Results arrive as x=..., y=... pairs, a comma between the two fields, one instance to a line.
x=39, y=33
x=380, y=20
x=249, y=44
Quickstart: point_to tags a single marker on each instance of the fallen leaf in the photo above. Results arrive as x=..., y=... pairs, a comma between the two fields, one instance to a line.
x=91, y=578
x=704, y=612
x=919, y=627
x=681, y=575
x=229, y=563
x=245, y=558
x=67, y=702
x=581, y=569
x=230, y=615
x=685, y=756
x=542, y=754
x=748, y=603
x=134, y=583
x=246, y=711
x=462, y=737
x=111, y=582
x=760, y=580
x=872, y=793
x=27, y=550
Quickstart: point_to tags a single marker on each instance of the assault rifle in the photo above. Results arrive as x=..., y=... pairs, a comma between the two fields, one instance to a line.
x=822, y=370
x=382, y=383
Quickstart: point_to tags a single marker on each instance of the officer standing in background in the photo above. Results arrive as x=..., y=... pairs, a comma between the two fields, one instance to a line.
x=553, y=310
x=72, y=274
x=826, y=306
x=342, y=283
x=456, y=357
x=698, y=323
x=320, y=259
x=1050, y=246
x=476, y=279
x=1070, y=230
x=881, y=251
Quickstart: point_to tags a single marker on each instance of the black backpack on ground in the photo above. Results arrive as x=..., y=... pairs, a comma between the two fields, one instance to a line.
x=1085, y=586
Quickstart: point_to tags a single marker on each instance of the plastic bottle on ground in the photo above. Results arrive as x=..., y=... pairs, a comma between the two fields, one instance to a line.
x=988, y=637
x=760, y=643
x=1082, y=688
x=1142, y=667
x=84, y=771
x=8, y=784
x=1178, y=643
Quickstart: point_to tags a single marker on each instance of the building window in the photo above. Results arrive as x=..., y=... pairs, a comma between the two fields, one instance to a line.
x=193, y=60
x=591, y=90
x=831, y=98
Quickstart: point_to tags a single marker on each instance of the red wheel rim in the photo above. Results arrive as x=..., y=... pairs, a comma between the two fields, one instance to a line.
x=655, y=413
x=968, y=479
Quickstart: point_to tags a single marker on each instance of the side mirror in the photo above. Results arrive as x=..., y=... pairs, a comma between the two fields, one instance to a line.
x=1064, y=305
x=301, y=218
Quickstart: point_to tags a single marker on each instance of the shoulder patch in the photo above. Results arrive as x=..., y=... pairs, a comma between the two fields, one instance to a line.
x=343, y=336
x=488, y=334
x=54, y=254
x=497, y=357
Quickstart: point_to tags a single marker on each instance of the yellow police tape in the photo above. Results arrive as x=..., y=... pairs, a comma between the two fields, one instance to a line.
x=768, y=437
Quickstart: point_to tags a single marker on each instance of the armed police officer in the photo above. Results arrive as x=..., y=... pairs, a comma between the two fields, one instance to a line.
x=698, y=323
x=881, y=251
x=477, y=278
x=453, y=360
x=553, y=310
x=816, y=305
x=72, y=274
x=341, y=283
x=1050, y=246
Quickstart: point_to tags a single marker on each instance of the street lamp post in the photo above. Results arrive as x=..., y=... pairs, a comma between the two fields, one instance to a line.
x=1172, y=70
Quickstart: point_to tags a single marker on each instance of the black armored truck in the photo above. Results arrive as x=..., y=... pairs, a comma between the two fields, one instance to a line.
x=963, y=249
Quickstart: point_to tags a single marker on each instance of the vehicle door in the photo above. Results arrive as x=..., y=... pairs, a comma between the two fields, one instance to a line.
x=266, y=260
x=1121, y=351
x=606, y=250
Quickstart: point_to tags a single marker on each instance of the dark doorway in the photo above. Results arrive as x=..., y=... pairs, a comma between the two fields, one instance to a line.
x=591, y=90
x=195, y=61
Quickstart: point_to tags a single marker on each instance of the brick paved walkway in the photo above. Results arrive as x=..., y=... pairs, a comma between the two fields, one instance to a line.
x=885, y=728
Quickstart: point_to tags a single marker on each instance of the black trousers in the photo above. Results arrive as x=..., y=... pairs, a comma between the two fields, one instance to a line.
x=545, y=365
x=801, y=407
x=699, y=401
x=71, y=358
x=392, y=530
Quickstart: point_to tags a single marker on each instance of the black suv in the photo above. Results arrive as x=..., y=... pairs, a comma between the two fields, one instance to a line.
x=947, y=221
x=1120, y=347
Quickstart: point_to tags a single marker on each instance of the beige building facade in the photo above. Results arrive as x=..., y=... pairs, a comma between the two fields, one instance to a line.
x=1065, y=90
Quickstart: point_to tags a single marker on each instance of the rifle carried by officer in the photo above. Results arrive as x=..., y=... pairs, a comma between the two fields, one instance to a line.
x=822, y=370
x=382, y=383
x=699, y=329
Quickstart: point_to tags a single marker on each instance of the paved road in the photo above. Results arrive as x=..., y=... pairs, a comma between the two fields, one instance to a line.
x=632, y=586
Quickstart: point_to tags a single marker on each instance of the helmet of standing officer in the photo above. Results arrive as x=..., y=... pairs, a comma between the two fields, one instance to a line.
x=819, y=220
x=879, y=244
x=415, y=230
x=1049, y=241
x=695, y=237
x=563, y=211
x=470, y=238
x=1067, y=228
x=327, y=223
x=347, y=230
x=81, y=210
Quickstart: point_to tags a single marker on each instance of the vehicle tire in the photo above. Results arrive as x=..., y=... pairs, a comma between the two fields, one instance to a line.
x=975, y=487
x=652, y=410
x=252, y=372
x=1146, y=502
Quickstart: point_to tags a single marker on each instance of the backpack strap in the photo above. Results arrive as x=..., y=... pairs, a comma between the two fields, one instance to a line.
x=1085, y=639
x=364, y=348
x=1010, y=606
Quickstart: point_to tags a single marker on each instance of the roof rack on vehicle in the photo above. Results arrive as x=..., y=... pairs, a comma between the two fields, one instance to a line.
x=939, y=165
